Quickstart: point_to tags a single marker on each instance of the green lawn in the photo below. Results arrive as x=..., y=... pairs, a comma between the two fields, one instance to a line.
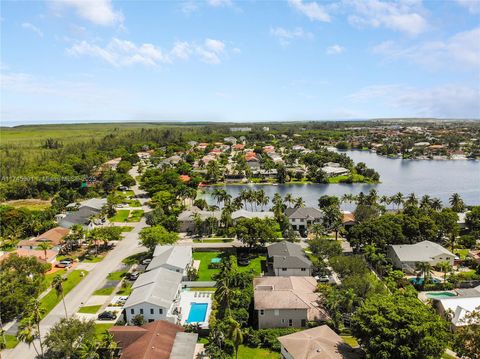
x=90, y=309
x=245, y=352
x=125, y=289
x=49, y=301
x=104, y=291
x=100, y=329
x=255, y=264
x=11, y=341
x=136, y=258
x=350, y=340
x=134, y=203
x=205, y=273
x=128, y=193
x=127, y=228
x=31, y=204
x=116, y=275
x=462, y=253
x=135, y=215
x=49, y=277
x=120, y=216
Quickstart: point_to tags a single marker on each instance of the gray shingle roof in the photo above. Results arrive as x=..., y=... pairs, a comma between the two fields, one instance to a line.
x=419, y=252
x=82, y=216
x=288, y=255
x=184, y=345
x=304, y=213
x=176, y=256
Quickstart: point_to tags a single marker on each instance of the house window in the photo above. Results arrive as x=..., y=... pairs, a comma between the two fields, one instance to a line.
x=141, y=310
x=283, y=321
x=151, y=310
x=290, y=322
x=132, y=311
x=160, y=311
x=262, y=312
x=284, y=269
x=277, y=312
x=303, y=269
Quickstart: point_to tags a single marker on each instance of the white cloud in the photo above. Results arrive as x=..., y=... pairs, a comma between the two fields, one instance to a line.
x=447, y=101
x=335, y=49
x=188, y=7
x=124, y=53
x=406, y=16
x=284, y=36
x=473, y=6
x=100, y=12
x=462, y=48
x=31, y=27
x=311, y=10
x=220, y=3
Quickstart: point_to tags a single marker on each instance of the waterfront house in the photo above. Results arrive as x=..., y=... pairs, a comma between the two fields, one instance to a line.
x=288, y=259
x=242, y=213
x=155, y=296
x=159, y=339
x=175, y=258
x=316, y=343
x=334, y=169
x=186, y=219
x=282, y=302
x=406, y=256
x=456, y=309
x=302, y=218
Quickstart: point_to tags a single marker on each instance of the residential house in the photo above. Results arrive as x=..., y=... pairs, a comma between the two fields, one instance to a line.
x=241, y=213
x=231, y=140
x=159, y=339
x=186, y=219
x=334, y=169
x=288, y=259
x=240, y=129
x=155, y=295
x=239, y=147
x=456, y=309
x=316, y=343
x=303, y=217
x=174, y=258
x=281, y=302
x=348, y=219
x=83, y=215
x=406, y=256
x=53, y=236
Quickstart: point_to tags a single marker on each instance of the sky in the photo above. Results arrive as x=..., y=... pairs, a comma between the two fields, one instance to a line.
x=67, y=61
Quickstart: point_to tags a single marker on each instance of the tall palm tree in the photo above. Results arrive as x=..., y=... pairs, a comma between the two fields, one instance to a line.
x=89, y=349
x=436, y=204
x=44, y=246
x=109, y=345
x=235, y=334
x=224, y=292
x=299, y=202
x=289, y=199
x=445, y=267
x=457, y=203
x=425, y=201
x=397, y=199
x=35, y=313
x=27, y=333
x=57, y=285
x=426, y=269
x=411, y=200
x=372, y=197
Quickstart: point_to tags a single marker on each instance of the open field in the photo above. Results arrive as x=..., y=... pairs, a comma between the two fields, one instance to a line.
x=245, y=352
x=31, y=204
x=90, y=309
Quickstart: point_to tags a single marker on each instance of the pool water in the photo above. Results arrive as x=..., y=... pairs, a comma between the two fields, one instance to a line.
x=216, y=260
x=198, y=312
x=441, y=295
x=419, y=281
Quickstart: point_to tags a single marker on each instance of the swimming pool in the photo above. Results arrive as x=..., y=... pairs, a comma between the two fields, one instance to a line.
x=419, y=281
x=440, y=295
x=198, y=313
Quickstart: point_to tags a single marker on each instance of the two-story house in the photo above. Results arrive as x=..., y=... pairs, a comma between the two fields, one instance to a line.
x=175, y=258
x=303, y=217
x=288, y=259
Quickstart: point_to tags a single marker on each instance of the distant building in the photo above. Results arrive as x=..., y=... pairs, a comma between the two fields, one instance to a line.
x=406, y=256
x=158, y=339
x=303, y=217
x=282, y=302
x=288, y=259
x=334, y=169
x=231, y=140
x=240, y=129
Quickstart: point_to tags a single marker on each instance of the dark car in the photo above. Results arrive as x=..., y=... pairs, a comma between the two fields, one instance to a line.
x=243, y=262
x=107, y=316
x=132, y=276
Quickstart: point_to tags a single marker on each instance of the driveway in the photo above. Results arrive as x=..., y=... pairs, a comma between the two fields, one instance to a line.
x=83, y=291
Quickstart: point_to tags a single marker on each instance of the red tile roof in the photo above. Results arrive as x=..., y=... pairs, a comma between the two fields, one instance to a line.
x=150, y=341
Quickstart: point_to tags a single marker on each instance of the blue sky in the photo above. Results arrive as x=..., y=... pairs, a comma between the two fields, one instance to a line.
x=227, y=60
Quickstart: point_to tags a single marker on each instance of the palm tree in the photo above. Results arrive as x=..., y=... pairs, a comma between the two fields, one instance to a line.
x=372, y=197
x=457, y=203
x=223, y=292
x=57, y=285
x=299, y=202
x=411, y=200
x=397, y=199
x=44, y=246
x=89, y=349
x=436, y=204
x=445, y=267
x=235, y=335
x=425, y=201
x=35, y=314
x=289, y=199
x=426, y=269
x=27, y=333
x=109, y=345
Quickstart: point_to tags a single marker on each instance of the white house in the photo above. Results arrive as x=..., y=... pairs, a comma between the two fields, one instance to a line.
x=303, y=217
x=155, y=296
x=241, y=213
x=406, y=256
x=175, y=258
x=456, y=309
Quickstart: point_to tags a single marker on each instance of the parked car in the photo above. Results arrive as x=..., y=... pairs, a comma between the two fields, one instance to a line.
x=107, y=316
x=243, y=262
x=64, y=264
x=322, y=278
x=132, y=276
x=147, y=261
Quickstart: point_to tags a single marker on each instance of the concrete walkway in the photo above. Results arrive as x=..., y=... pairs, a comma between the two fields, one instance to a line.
x=83, y=291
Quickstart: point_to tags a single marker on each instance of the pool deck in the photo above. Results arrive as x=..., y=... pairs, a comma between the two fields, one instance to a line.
x=188, y=297
x=423, y=296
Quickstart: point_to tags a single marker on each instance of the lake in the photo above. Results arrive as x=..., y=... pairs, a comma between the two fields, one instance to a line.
x=437, y=178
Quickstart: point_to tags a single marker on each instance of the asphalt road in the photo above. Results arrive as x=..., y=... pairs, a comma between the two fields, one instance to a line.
x=80, y=294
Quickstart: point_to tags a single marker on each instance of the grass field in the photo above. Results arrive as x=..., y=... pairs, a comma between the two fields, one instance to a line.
x=205, y=273
x=135, y=216
x=49, y=277
x=245, y=352
x=125, y=289
x=49, y=301
x=11, y=341
x=101, y=328
x=127, y=228
x=92, y=259
x=116, y=275
x=104, y=291
x=31, y=204
x=120, y=216
x=89, y=309
x=350, y=340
